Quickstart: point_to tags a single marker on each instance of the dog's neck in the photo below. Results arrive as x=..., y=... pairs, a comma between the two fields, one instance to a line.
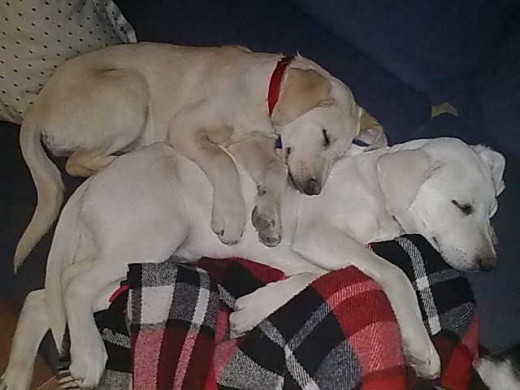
x=261, y=73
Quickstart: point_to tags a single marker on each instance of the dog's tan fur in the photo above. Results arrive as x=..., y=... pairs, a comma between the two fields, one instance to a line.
x=198, y=100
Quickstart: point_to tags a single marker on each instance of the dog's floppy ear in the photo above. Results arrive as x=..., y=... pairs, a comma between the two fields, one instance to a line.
x=302, y=90
x=496, y=162
x=400, y=175
x=367, y=121
x=371, y=131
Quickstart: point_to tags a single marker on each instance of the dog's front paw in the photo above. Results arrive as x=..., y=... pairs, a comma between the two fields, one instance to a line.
x=246, y=316
x=424, y=359
x=253, y=308
x=240, y=324
x=267, y=221
x=88, y=359
x=229, y=220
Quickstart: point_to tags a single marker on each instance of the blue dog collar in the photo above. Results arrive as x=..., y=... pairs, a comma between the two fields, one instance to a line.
x=278, y=143
x=360, y=143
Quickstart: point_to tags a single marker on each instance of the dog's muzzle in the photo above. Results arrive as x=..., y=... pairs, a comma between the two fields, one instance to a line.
x=311, y=186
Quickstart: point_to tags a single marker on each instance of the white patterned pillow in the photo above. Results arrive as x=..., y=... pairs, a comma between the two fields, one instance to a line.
x=36, y=36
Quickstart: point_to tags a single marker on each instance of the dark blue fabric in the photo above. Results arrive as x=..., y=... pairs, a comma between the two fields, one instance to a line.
x=498, y=292
x=498, y=87
x=423, y=42
x=17, y=203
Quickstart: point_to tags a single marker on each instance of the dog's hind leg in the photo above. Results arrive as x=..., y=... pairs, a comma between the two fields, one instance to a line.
x=32, y=325
x=71, y=271
x=107, y=113
x=91, y=282
x=87, y=351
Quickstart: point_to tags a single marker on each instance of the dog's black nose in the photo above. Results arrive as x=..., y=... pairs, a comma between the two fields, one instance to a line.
x=487, y=263
x=312, y=187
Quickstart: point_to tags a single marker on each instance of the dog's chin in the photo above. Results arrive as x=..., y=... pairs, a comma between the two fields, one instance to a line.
x=458, y=262
x=464, y=267
x=295, y=184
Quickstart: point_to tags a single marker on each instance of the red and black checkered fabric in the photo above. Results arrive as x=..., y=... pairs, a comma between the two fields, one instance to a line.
x=338, y=333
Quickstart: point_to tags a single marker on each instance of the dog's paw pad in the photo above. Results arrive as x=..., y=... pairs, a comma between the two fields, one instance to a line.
x=269, y=239
x=229, y=238
x=228, y=223
x=263, y=220
x=268, y=225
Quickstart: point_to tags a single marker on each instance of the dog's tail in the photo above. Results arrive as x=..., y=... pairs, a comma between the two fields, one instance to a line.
x=49, y=189
x=59, y=263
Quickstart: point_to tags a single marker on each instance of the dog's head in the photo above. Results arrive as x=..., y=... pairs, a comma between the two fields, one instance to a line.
x=446, y=191
x=317, y=118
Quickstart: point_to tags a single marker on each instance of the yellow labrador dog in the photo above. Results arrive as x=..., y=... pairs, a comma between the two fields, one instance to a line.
x=197, y=99
x=153, y=203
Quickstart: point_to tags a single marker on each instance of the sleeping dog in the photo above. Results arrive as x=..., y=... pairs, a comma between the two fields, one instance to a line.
x=197, y=99
x=153, y=203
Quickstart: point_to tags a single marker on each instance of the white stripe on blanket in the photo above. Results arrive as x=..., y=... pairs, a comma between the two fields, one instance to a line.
x=198, y=319
x=422, y=283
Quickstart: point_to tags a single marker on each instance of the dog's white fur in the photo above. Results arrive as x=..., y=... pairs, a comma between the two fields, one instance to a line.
x=196, y=99
x=498, y=375
x=153, y=203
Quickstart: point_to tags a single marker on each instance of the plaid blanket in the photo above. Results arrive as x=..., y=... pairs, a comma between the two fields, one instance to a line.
x=338, y=333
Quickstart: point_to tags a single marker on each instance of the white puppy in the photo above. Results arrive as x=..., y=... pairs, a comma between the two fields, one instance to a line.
x=153, y=203
x=196, y=99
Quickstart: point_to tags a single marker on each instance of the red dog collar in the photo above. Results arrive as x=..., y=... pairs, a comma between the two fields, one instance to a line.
x=276, y=80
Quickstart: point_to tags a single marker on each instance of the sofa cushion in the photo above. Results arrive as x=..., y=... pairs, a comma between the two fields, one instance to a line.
x=38, y=35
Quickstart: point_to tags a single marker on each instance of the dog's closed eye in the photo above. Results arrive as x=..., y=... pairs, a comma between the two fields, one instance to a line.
x=326, y=138
x=466, y=208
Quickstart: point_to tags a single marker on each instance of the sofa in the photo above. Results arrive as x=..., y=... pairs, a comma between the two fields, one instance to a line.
x=398, y=59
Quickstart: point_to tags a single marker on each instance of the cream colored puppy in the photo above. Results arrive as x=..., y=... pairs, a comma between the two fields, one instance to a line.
x=197, y=99
x=153, y=203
